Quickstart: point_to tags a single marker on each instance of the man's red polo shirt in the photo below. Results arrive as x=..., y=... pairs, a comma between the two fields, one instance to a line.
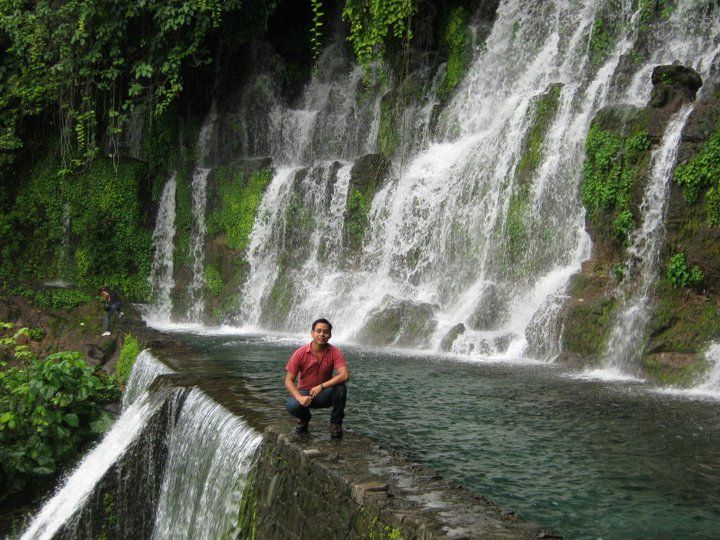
x=311, y=370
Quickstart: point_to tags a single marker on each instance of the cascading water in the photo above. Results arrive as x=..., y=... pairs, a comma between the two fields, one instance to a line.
x=161, y=272
x=210, y=452
x=197, y=250
x=145, y=370
x=626, y=338
x=78, y=486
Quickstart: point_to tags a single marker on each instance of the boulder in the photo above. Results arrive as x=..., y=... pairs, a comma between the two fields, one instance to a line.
x=673, y=85
x=402, y=323
x=452, y=334
x=488, y=310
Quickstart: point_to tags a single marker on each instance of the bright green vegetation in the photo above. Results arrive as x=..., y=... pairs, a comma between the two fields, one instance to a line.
x=128, y=354
x=456, y=44
x=701, y=174
x=358, y=209
x=546, y=107
x=239, y=201
x=55, y=299
x=372, y=21
x=93, y=62
x=680, y=275
x=602, y=39
x=613, y=163
x=213, y=280
x=105, y=242
x=49, y=410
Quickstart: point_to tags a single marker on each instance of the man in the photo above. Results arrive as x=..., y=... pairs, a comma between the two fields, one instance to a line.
x=112, y=305
x=317, y=388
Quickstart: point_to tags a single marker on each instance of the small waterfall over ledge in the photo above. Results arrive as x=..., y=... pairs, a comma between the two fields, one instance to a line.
x=161, y=272
x=625, y=342
x=188, y=456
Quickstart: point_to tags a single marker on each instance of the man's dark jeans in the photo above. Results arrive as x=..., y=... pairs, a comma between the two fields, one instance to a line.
x=109, y=310
x=334, y=397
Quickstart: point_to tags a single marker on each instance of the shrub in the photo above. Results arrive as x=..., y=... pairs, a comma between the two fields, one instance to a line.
x=49, y=409
x=679, y=275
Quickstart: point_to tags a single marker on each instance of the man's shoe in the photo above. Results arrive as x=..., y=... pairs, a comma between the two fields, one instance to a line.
x=336, y=431
x=105, y=334
x=301, y=428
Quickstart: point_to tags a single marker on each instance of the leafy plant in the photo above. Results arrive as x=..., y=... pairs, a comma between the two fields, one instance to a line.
x=213, y=280
x=128, y=353
x=680, y=275
x=456, y=42
x=49, y=409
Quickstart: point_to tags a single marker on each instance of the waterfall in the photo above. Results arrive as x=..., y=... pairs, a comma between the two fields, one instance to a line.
x=210, y=452
x=197, y=250
x=479, y=224
x=79, y=484
x=711, y=383
x=161, y=271
x=145, y=369
x=626, y=337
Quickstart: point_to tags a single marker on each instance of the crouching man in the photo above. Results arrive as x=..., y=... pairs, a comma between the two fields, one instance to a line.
x=321, y=374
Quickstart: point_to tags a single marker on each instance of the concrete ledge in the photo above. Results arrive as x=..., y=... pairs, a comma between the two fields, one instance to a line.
x=312, y=487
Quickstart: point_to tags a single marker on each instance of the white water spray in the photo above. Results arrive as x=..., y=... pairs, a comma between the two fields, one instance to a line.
x=161, y=271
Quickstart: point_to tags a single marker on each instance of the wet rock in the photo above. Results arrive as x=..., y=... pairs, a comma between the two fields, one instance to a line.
x=451, y=336
x=368, y=172
x=399, y=322
x=673, y=85
x=488, y=310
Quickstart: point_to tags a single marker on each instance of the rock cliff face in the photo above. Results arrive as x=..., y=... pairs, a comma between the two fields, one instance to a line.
x=685, y=313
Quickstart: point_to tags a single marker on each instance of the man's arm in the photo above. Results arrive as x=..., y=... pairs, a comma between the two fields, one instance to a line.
x=343, y=375
x=293, y=389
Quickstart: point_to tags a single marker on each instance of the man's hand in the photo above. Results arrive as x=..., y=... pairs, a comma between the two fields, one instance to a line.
x=305, y=401
x=315, y=390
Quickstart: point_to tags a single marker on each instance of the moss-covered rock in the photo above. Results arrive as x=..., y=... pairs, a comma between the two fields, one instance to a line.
x=402, y=323
x=366, y=177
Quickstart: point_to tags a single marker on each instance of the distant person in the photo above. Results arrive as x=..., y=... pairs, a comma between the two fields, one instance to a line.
x=112, y=305
x=317, y=388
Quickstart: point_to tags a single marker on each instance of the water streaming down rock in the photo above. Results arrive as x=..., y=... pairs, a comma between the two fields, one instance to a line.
x=161, y=272
x=79, y=485
x=481, y=228
x=146, y=369
x=711, y=382
x=197, y=249
x=626, y=338
x=210, y=451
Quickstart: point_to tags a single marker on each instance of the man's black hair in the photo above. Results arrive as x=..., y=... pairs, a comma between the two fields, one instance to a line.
x=321, y=321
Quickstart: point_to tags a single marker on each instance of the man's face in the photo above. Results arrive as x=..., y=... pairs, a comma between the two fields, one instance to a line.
x=321, y=334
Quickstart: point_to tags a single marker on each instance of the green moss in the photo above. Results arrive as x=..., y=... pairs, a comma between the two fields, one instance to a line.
x=128, y=354
x=544, y=112
x=684, y=376
x=239, y=201
x=247, y=513
x=54, y=299
x=602, y=39
x=614, y=162
x=213, y=280
x=701, y=174
x=358, y=208
x=279, y=301
x=682, y=322
x=388, y=135
x=184, y=218
x=455, y=43
x=588, y=326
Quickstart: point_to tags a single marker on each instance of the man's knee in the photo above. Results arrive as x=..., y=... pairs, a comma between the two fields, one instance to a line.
x=293, y=405
x=340, y=390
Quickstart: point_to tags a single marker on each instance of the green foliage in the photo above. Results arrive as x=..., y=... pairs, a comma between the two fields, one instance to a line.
x=93, y=62
x=388, y=135
x=702, y=174
x=316, y=28
x=213, y=280
x=602, y=39
x=49, y=409
x=239, y=201
x=680, y=275
x=91, y=220
x=55, y=299
x=612, y=164
x=545, y=109
x=456, y=43
x=358, y=208
x=372, y=21
x=128, y=354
